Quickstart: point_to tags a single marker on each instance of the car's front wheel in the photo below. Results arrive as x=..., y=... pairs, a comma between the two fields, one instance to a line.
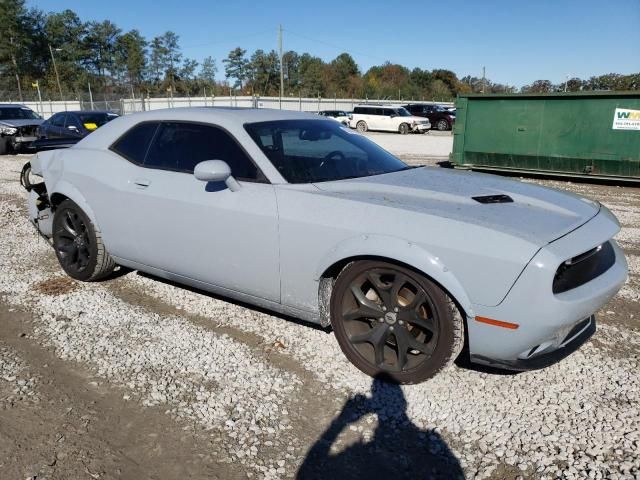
x=403, y=129
x=78, y=244
x=393, y=322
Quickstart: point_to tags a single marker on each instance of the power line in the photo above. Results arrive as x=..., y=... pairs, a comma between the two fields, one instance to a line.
x=227, y=40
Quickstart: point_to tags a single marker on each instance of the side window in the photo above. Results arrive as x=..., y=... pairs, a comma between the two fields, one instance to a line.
x=181, y=146
x=388, y=112
x=359, y=110
x=58, y=120
x=133, y=145
x=71, y=120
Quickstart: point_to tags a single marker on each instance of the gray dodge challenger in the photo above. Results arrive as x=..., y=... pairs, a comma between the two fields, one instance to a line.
x=305, y=217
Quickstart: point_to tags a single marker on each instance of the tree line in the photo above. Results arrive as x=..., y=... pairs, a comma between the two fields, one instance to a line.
x=113, y=63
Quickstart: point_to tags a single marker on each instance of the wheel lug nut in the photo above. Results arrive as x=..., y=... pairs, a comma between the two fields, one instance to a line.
x=384, y=309
x=391, y=328
x=395, y=309
x=400, y=322
x=381, y=320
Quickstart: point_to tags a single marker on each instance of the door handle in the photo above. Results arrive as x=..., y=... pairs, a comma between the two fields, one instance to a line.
x=142, y=182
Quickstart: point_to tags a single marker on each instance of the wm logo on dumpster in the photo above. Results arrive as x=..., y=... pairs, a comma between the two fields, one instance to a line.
x=626, y=119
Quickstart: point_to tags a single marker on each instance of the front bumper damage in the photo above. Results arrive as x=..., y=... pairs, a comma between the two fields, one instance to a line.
x=40, y=213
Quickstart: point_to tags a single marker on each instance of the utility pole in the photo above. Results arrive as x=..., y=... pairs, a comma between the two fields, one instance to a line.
x=484, y=80
x=281, y=66
x=90, y=95
x=55, y=68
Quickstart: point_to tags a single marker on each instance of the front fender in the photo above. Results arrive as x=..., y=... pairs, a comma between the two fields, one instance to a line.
x=400, y=250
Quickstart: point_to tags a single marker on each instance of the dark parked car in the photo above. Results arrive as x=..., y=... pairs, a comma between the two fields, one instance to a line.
x=18, y=127
x=73, y=125
x=440, y=117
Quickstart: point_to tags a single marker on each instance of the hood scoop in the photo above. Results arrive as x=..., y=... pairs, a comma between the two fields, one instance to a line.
x=493, y=199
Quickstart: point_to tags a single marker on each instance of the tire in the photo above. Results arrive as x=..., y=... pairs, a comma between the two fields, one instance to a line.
x=372, y=303
x=78, y=244
x=4, y=146
x=442, y=125
x=403, y=129
x=361, y=126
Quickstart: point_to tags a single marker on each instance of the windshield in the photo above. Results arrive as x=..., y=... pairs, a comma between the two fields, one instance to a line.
x=17, y=113
x=403, y=112
x=308, y=151
x=97, y=119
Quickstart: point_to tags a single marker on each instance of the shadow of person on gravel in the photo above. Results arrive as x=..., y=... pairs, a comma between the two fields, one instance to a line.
x=397, y=450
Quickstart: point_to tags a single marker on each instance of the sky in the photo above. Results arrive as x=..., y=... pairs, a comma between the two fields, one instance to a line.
x=517, y=41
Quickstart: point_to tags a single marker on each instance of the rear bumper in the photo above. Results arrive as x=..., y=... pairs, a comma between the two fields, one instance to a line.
x=547, y=323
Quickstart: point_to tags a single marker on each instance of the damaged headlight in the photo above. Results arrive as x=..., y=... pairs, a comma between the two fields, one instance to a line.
x=5, y=130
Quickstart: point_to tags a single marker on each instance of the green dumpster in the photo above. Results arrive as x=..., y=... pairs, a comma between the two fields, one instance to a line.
x=594, y=134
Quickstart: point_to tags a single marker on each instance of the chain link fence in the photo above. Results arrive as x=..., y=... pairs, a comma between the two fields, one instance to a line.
x=302, y=104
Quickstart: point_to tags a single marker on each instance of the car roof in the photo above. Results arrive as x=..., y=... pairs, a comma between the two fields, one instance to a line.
x=106, y=112
x=13, y=105
x=379, y=105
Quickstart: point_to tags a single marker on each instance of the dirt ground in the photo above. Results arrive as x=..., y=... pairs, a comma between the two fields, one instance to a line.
x=75, y=425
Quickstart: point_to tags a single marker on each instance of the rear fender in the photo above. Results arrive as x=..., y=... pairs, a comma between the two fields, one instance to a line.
x=64, y=188
x=399, y=250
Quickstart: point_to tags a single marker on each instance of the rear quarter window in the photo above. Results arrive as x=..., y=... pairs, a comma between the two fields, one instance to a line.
x=134, y=144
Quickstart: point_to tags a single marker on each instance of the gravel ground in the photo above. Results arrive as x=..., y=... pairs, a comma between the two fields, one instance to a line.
x=274, y=398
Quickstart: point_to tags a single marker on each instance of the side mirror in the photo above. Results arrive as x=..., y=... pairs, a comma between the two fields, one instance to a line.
x=216, y=171
x=73, y=128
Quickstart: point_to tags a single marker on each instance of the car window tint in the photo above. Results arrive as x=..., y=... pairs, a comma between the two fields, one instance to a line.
x=71, y=120
x=58, y=120
x=134, y=144
x=181, y=146
x=306, y=151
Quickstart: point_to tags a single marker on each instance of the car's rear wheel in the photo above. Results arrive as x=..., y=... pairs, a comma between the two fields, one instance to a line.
x=394, y=323
x=78, y=244
x=361, y=126
x=403, y=129
x=442, y=125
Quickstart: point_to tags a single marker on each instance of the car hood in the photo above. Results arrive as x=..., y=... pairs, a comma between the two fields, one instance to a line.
x=537, y=214
x=20, y=122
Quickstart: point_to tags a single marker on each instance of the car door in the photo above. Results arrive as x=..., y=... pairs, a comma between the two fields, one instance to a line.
x=204, y=231
x=387, y=120
x=56, y=126
x=72, y=127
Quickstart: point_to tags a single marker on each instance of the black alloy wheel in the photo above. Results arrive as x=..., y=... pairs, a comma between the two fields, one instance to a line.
x=78, y=244
x=392, y=321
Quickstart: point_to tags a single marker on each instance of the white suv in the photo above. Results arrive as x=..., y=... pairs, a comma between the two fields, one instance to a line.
x=387, y=118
